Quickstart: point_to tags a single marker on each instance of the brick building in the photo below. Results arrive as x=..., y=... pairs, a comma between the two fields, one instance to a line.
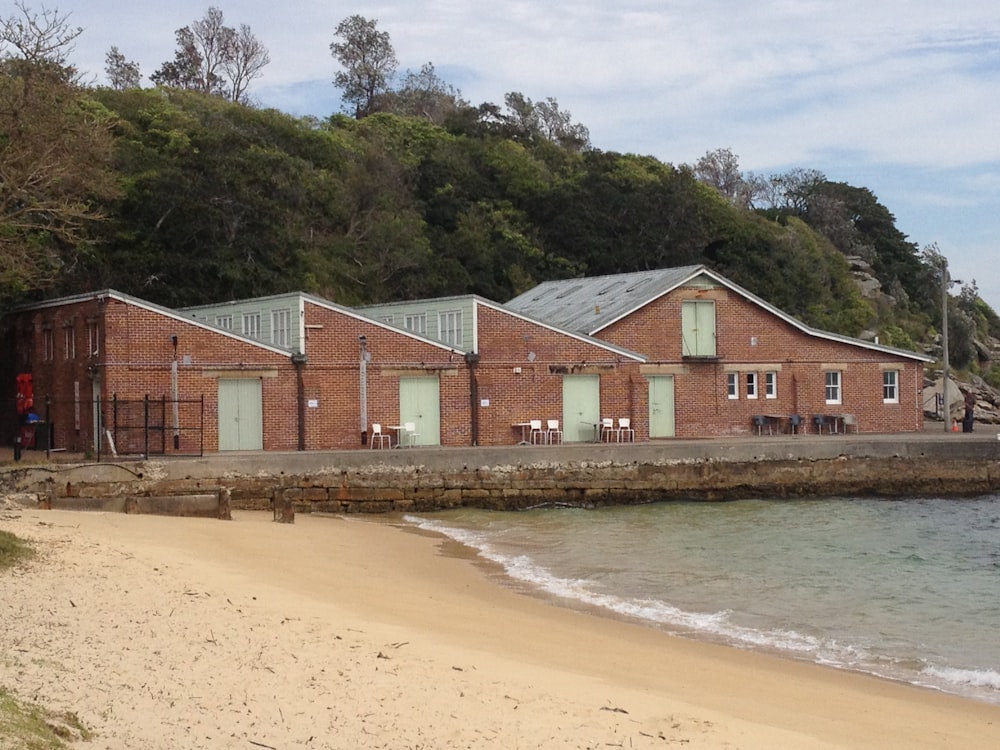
x=523, y=368
x=141, y=378
x=145, y=379
x=721, y=361
x=354, y=371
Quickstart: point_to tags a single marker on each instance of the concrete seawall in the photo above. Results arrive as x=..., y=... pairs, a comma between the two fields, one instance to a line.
x=427, y=479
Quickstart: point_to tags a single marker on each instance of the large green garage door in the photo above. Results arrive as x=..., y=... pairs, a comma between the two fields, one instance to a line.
x=420, y=403
x=581, y=407
x=661, y=406
x=241, y=422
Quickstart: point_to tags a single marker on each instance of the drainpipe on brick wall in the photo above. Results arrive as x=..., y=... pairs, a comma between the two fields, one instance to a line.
x=472, y=359
x=299, y=359
x=364, y=357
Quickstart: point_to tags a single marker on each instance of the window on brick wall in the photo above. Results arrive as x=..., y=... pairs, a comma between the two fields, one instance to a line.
x=93, y=340
x=890, y=386
x=69, y=343
x=48, y=345
x=416, y=323
x=450, y=327
x=751, y=385
x=833, y=395
x=698, y=328
x=770, y=384
x=732, y=385
x=224, y=321
x=251, y=325
x=280, y=327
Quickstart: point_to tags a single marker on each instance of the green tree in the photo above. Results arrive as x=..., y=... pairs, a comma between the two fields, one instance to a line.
x=369, y=63
x=122, y=73
x=40, y=39
x=424, y=94
x=214, y=58
x=55, y=149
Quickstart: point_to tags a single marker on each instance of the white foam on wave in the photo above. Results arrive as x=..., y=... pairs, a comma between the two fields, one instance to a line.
x=975, y=678
x=982, y=684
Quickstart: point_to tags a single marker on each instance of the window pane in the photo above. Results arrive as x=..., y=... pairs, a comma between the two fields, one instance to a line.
x=251, y=325
x=890, y=386
x=450, y=327
x=280, y=333
x=833, y=387
x=771, y=384
x=416, y=323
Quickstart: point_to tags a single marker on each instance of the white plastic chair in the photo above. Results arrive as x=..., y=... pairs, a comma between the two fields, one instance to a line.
x=410, y=433
x=625, y=430
x=849, y=421
x=384, y=439
x=537, y=435
x=553, y=431
x=608, y=429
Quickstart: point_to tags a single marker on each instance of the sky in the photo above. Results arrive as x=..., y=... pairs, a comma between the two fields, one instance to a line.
x=899, y=96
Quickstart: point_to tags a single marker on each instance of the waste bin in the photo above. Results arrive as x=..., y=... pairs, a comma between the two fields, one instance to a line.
x=35, y=435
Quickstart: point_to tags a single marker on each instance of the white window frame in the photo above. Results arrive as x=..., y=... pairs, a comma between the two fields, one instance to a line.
x=770, y=384
x=48, y=345
x=251, y=325
x=890, y=386
x=416, y=322
x=832, y=387
x=733, y=386
x=93, y=339
x=450, y=327
x=281, y=330
x=224, y=321
x=69, y=342
x=751, y=380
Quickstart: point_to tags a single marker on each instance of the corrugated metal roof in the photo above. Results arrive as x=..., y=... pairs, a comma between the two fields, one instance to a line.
x=588, y=305
x=592, y=304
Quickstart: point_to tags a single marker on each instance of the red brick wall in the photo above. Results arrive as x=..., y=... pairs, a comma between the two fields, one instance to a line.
x=751, y=339
x=135, y=352
x=536, y=391
x=332, y=379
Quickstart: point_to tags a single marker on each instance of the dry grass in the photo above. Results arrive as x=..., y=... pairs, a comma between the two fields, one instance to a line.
x=26, y=726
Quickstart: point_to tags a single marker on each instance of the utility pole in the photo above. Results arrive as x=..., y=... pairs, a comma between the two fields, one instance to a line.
x=944, y=343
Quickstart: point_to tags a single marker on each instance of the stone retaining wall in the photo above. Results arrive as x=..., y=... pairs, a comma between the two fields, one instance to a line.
x=419, y=481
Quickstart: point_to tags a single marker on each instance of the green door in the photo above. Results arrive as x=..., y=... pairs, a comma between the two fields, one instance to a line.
x=661, y=406
x=420, y=403
x=241, y=422
x=581, y=407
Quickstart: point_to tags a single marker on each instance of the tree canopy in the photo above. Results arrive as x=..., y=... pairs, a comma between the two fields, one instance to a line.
x=181, y=196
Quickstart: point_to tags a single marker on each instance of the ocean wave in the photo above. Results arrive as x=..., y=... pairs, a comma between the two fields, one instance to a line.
x=974, y=678
x=718, y=625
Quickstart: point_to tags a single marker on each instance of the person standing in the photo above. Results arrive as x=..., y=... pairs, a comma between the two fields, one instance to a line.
x=970, y=406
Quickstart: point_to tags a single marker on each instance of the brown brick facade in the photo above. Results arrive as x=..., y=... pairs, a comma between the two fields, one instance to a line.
x=521, y=369
x=751, y=339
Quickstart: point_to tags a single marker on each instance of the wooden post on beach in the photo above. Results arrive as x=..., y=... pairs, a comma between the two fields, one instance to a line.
x=225, y=494
x=281, y=506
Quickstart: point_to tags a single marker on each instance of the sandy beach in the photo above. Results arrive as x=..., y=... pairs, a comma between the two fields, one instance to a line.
x=344, y=633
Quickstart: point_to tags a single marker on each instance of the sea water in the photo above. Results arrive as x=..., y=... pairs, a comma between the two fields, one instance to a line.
x=906, y=589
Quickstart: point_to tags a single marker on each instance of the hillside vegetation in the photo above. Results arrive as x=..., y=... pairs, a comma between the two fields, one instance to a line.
x=182, y=197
